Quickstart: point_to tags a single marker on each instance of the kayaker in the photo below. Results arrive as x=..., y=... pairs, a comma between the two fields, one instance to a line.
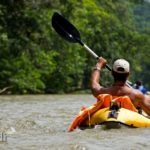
x=138, y=85
x=120, y=73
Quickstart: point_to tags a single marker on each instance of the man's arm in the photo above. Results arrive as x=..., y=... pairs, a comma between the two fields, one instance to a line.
x=144, y=102
x=95, y=76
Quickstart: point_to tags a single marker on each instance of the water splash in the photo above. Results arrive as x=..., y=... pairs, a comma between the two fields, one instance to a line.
x=10, y=131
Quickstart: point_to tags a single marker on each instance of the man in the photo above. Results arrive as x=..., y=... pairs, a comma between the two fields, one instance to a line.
x=140, y=86
x=120, y=73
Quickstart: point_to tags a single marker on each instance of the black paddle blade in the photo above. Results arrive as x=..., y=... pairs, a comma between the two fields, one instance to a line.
x=65, y=29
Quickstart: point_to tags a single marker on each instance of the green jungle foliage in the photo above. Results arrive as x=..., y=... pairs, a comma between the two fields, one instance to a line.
x=35, y=59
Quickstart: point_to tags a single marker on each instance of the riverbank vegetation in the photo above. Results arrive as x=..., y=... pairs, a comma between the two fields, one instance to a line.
x=34, y=59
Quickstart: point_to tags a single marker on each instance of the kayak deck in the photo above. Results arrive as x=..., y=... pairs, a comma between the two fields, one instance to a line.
x=122, y=116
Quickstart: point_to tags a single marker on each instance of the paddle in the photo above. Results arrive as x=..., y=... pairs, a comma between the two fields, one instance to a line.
x=70, y=33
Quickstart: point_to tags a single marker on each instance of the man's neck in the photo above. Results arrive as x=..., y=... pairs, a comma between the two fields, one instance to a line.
x=119, y=83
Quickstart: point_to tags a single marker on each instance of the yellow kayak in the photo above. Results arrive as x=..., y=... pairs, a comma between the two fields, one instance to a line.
x=123, y=116
x=99, y=113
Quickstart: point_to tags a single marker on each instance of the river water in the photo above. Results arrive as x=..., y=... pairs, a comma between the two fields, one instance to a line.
x=40, y=122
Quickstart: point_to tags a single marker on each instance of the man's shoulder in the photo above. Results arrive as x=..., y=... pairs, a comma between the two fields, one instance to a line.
x=137, y=94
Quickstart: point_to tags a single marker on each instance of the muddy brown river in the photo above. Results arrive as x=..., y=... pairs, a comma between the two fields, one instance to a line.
x=40, y=122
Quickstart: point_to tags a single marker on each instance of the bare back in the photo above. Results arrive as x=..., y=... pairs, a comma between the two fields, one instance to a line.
x=133, y=94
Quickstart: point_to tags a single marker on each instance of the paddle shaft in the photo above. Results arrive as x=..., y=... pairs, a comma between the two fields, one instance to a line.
x=91, y=52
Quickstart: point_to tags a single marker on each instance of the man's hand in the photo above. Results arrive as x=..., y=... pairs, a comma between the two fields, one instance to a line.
x=101, y=63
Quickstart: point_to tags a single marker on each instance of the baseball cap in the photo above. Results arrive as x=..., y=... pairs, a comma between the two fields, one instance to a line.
x=121, y=66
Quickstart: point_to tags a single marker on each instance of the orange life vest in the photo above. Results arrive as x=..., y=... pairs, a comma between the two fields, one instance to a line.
x=103, y=101
x=123, y=101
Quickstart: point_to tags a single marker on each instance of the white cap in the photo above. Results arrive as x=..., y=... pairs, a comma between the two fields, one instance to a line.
x=121, y=66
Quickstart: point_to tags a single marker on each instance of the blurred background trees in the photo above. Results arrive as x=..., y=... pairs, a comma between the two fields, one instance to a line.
x=34, y=59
